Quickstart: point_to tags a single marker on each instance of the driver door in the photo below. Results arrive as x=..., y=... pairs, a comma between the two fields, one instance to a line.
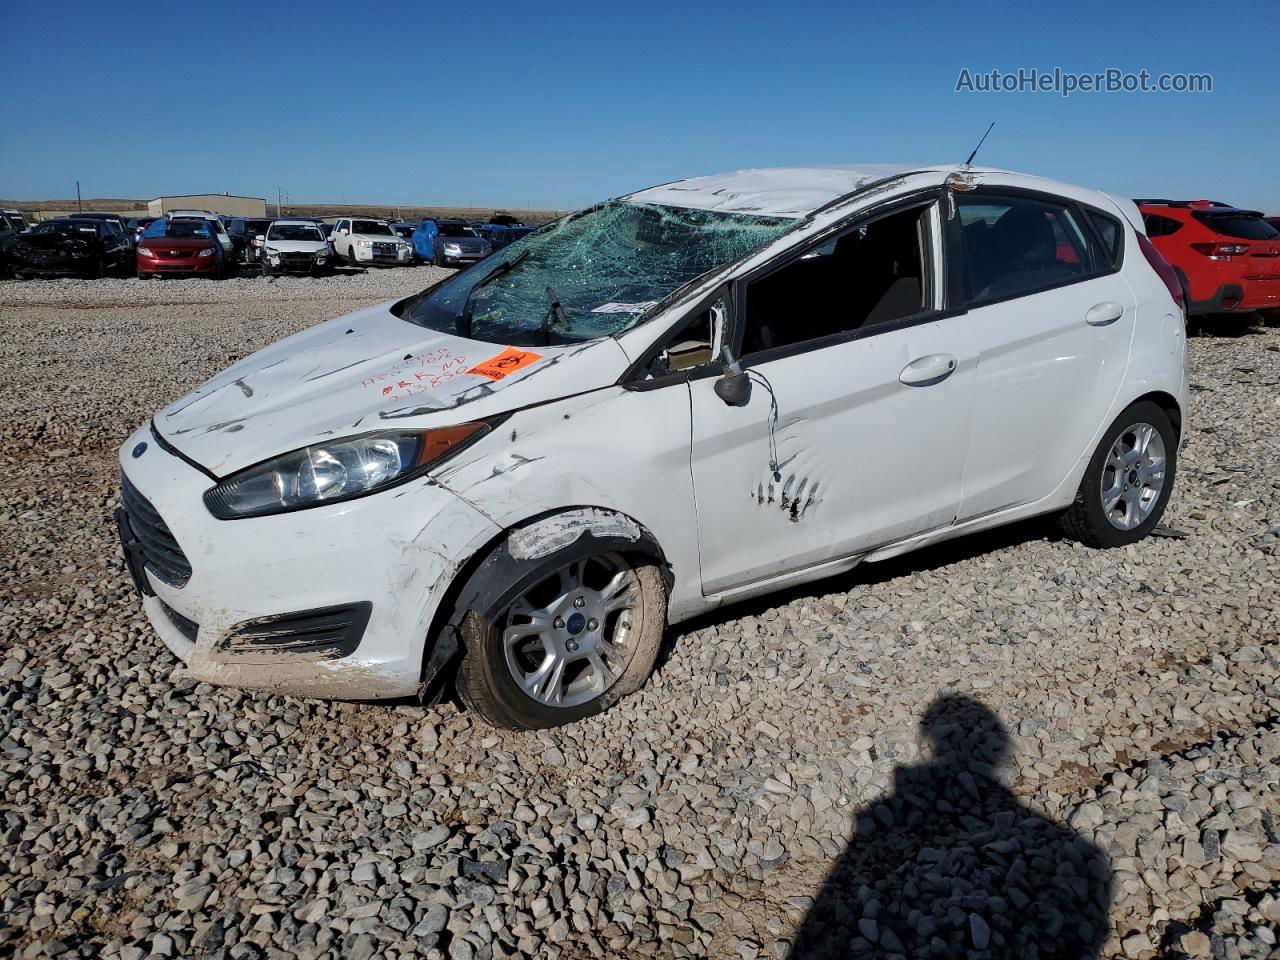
x=861, y=393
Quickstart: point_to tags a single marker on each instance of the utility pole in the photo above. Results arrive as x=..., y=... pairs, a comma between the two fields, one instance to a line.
x=79, y=208
x=277, y=202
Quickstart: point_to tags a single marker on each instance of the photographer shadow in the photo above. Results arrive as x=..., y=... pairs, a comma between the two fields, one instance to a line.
x=949, y=863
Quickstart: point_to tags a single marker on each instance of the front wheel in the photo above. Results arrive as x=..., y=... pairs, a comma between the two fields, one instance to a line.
x=1127, y=484
x=572, y=633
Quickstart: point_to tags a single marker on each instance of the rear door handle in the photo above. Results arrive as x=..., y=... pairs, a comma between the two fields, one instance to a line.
x=929, y=370
x=1100, y=314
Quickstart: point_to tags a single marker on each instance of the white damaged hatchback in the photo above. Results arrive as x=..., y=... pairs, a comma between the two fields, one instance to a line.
x=513, y=481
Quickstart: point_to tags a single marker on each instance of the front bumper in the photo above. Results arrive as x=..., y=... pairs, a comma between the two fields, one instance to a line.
x=398, y=259
x=464, y=257
x=295, y=264
x=63, y=268
x=397, y=550
x=180, y=265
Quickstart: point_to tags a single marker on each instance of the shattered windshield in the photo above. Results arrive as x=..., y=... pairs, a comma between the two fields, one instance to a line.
x=177, y=229
x=590, y=275
x=294, y=231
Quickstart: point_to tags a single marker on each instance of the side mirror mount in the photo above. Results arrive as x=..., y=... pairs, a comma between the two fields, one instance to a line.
x=734, y=386
x=259, y=237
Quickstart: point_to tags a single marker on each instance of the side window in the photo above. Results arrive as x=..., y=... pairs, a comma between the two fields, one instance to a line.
x=1016, y=246
x=1158, y=226
x=694, y=343
x=1112, y=235
x=871, y=274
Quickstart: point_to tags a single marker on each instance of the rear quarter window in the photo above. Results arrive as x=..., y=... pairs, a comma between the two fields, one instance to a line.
x=1111, y=235
x=1158, y=226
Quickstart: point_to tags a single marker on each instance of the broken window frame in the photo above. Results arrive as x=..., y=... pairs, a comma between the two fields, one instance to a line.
x=639, y=376
x=938, y=278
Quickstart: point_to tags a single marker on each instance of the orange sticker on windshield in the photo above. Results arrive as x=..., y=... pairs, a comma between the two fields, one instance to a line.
x=508, y=361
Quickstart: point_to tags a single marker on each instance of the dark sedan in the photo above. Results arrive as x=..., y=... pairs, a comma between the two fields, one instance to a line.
x=246, y=234
x=117, y=219
x=71, y=246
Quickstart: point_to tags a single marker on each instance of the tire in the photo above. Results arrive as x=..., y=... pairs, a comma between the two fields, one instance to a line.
x=100, y=268
x=1134, y=514
x=266, y=267
x=487, y=676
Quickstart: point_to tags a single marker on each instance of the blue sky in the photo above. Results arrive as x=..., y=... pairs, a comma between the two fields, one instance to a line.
x=557, y=105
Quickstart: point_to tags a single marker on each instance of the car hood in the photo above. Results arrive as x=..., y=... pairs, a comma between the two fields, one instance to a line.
x=376, y=237
x=369, y=371
x=56, y=241
x=298, y=246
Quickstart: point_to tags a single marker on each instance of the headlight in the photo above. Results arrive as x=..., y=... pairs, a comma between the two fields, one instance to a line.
x=330, y=472
x=146, y=251
x=271, y=249
x=364, y=243
x=206, y=253
x=452, y=248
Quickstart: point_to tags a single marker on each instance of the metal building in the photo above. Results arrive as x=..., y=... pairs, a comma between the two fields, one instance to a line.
x=226, y=203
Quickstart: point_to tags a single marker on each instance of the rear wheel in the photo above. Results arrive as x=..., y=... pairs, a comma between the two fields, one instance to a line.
x=572, y=633
x=1128, y=482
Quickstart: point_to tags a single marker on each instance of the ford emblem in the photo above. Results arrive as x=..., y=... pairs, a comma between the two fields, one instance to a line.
x=140, y=449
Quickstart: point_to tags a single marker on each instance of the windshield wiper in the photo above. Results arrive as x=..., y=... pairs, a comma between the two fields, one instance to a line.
x=505, y=267
x=555, y=312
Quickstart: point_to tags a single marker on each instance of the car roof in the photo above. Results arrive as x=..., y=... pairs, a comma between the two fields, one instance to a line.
x=288, y=222
x=1198, y=206
x=779, y=191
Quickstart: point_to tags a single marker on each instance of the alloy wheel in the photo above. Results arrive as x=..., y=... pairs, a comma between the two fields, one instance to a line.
x=567, y=638
x=1133, y=476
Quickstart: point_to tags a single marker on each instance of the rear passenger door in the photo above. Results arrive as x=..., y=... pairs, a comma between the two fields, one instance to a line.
x=1052, y=319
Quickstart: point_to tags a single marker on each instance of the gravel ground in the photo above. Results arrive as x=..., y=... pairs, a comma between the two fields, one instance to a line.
x=1006, y=746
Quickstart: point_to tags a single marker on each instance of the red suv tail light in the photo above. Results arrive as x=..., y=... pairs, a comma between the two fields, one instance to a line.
x=1221, y=251
x=1161, y=266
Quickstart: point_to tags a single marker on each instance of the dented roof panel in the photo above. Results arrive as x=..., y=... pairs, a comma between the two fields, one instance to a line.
x=775, y=191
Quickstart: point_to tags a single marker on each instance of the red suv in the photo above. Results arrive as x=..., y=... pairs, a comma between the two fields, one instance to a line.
x=1227, y=259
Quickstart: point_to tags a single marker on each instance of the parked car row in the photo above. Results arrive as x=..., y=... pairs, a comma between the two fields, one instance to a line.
x=269, y=244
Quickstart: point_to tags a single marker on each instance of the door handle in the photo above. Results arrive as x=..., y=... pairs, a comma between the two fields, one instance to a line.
x=1100, y=314
x=928, y=370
